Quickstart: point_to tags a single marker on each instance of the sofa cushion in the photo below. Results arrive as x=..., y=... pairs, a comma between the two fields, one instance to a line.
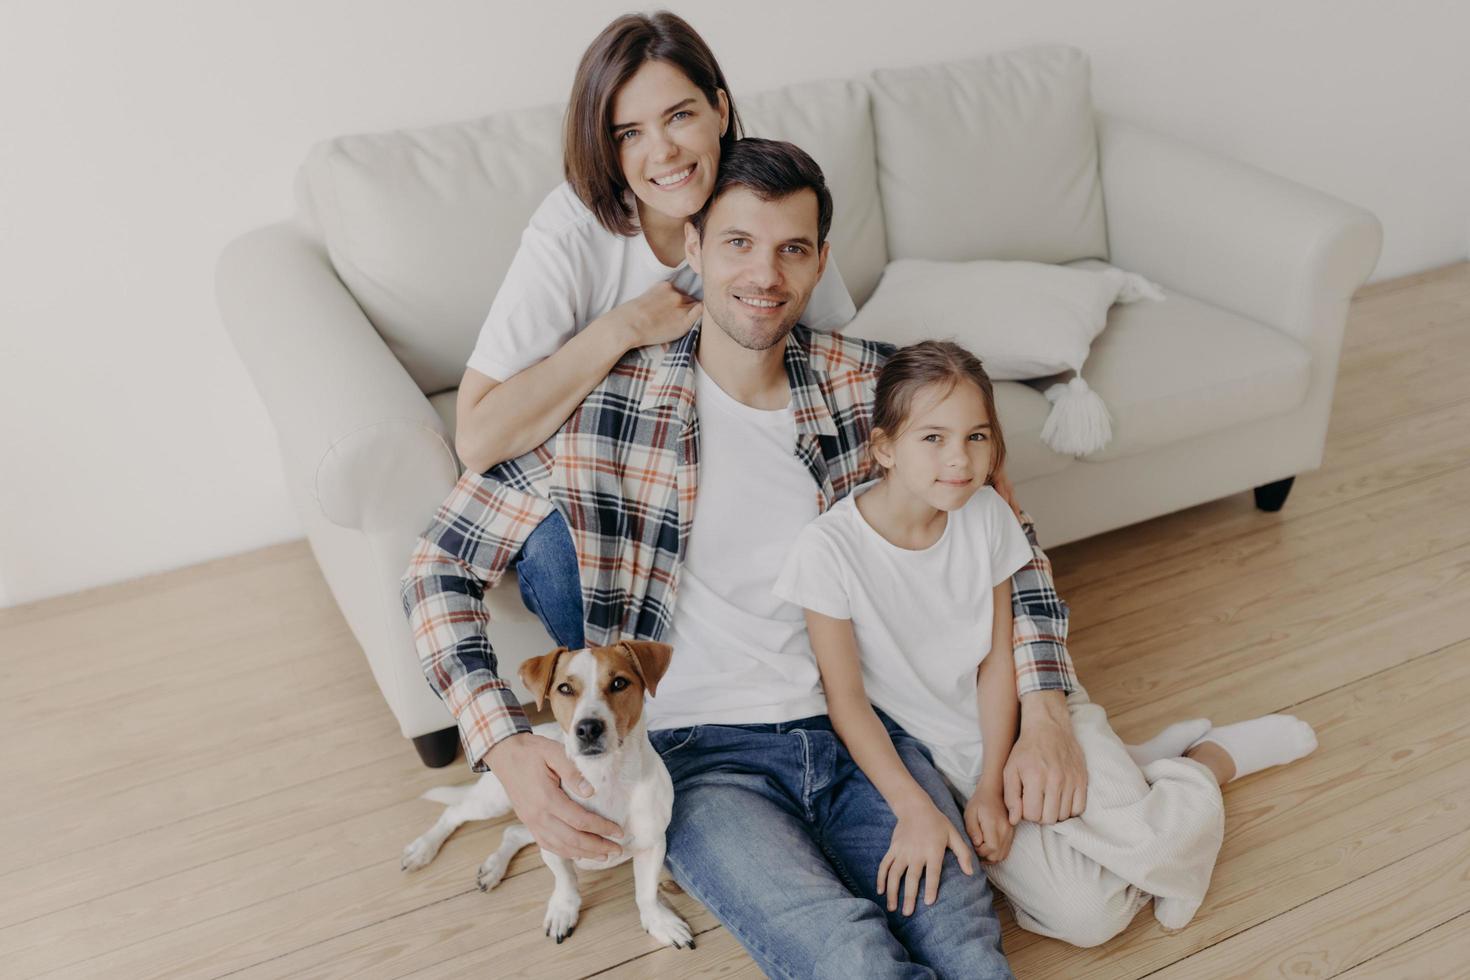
x=992, y=158
x=1175, y=370
x=832, y=122
x=421, y=224
x=1022, y=319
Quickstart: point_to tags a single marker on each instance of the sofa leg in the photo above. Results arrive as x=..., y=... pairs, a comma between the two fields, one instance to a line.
x=438, y=749
x=1272, y=496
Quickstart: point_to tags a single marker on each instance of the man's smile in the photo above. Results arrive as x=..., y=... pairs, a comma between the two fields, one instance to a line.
x=763, y=304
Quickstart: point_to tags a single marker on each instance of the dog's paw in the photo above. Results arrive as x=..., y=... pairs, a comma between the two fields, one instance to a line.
x=561, y=917
x=418, y=854
x=491, y=872
x=665, y=925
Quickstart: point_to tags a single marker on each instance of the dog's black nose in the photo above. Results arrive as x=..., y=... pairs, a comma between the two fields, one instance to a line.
x=590, y=730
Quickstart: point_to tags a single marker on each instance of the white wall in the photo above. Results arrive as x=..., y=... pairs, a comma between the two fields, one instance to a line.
x=139, y=137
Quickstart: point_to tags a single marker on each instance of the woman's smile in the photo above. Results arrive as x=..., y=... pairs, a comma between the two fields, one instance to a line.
x=675, y=178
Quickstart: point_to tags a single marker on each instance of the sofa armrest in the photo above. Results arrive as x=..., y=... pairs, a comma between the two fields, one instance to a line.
x=1231, y=234
x=353, y=427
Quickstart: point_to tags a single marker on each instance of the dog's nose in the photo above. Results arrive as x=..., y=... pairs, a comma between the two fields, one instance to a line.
x=589, y=730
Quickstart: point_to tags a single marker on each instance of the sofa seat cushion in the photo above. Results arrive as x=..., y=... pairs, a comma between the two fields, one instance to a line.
x=1179, y=369
x=1023, y=411
x=446, y=404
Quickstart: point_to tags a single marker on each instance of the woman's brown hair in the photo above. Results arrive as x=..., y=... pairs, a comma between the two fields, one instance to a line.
x=624, y=46
x=933, y=362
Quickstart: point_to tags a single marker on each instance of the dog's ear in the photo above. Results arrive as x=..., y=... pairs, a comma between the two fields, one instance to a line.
x=649, y=660
x=538, y=672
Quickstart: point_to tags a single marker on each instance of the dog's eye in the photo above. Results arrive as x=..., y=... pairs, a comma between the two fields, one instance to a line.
x=564, y=689
x=619, y=683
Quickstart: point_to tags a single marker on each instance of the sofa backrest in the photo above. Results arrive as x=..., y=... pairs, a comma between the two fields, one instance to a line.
x=991, y=158
x=421, y=225
x=832, y=122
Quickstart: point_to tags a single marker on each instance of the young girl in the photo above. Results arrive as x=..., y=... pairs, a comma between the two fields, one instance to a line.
x=906, y=587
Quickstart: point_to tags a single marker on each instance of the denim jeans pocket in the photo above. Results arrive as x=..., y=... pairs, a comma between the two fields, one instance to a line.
x=669, y=740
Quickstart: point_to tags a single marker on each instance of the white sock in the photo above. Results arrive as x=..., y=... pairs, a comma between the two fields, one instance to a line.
x=1169, y=743
x=1271, y=740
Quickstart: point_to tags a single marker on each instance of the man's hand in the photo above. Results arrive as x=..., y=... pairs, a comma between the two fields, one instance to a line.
x=531, y=769
x=1046, y=774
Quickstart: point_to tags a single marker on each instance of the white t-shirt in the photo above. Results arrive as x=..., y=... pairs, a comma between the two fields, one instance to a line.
x=741, y=655
x=570, y=270
x=923, y=619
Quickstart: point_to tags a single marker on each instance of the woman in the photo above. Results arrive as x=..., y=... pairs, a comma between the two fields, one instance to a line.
x=601, y=267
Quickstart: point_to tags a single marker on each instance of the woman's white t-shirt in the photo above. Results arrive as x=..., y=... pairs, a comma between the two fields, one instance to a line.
x=570, y=270
x=923, y=619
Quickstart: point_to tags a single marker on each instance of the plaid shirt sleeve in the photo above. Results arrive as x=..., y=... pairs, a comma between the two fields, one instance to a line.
x=477, y=532
x=1040, y=630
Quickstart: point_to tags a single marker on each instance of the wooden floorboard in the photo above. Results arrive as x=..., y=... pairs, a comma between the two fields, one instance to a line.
x=225, y=793
x=1348, y=925
x=1431, y=955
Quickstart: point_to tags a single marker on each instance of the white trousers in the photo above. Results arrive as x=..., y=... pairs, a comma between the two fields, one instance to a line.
x=1150, y=833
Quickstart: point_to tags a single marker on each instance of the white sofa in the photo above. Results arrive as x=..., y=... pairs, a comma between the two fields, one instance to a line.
x=356, y=318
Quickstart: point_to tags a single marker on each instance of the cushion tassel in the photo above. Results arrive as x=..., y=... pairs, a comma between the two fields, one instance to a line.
x=1079, y=422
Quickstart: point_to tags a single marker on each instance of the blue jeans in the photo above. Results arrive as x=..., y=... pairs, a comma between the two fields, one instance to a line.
x=551, y=586
x=780, y=834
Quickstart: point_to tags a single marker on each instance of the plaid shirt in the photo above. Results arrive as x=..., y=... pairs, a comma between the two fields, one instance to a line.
x=623, y=472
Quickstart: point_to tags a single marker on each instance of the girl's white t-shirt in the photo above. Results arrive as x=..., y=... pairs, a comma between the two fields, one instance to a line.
x=923, y=619
x=570, y=270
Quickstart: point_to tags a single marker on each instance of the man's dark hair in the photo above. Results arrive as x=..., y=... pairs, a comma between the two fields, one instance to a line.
x=772, y=170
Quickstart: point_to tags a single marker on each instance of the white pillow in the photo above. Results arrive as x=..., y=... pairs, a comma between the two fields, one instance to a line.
x=1024, y=320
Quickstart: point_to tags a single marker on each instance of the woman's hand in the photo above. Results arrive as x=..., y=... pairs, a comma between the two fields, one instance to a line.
x=989, y=825
x=660, y=316
x=917, y=849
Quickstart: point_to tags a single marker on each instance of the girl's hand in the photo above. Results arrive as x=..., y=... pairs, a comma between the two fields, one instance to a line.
x=917, y=848
x=660, y=316
x=989, y=825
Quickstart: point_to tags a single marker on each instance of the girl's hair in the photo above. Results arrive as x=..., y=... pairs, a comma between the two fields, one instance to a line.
x=590, y=156
x=932, y=362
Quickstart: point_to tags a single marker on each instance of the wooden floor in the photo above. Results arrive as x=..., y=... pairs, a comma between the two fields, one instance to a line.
x=201, y=779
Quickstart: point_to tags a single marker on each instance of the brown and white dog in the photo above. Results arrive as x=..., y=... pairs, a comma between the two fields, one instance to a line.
x=596, y=696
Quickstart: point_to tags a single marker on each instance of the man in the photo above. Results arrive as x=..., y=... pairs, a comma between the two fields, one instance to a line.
x=689, y=471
